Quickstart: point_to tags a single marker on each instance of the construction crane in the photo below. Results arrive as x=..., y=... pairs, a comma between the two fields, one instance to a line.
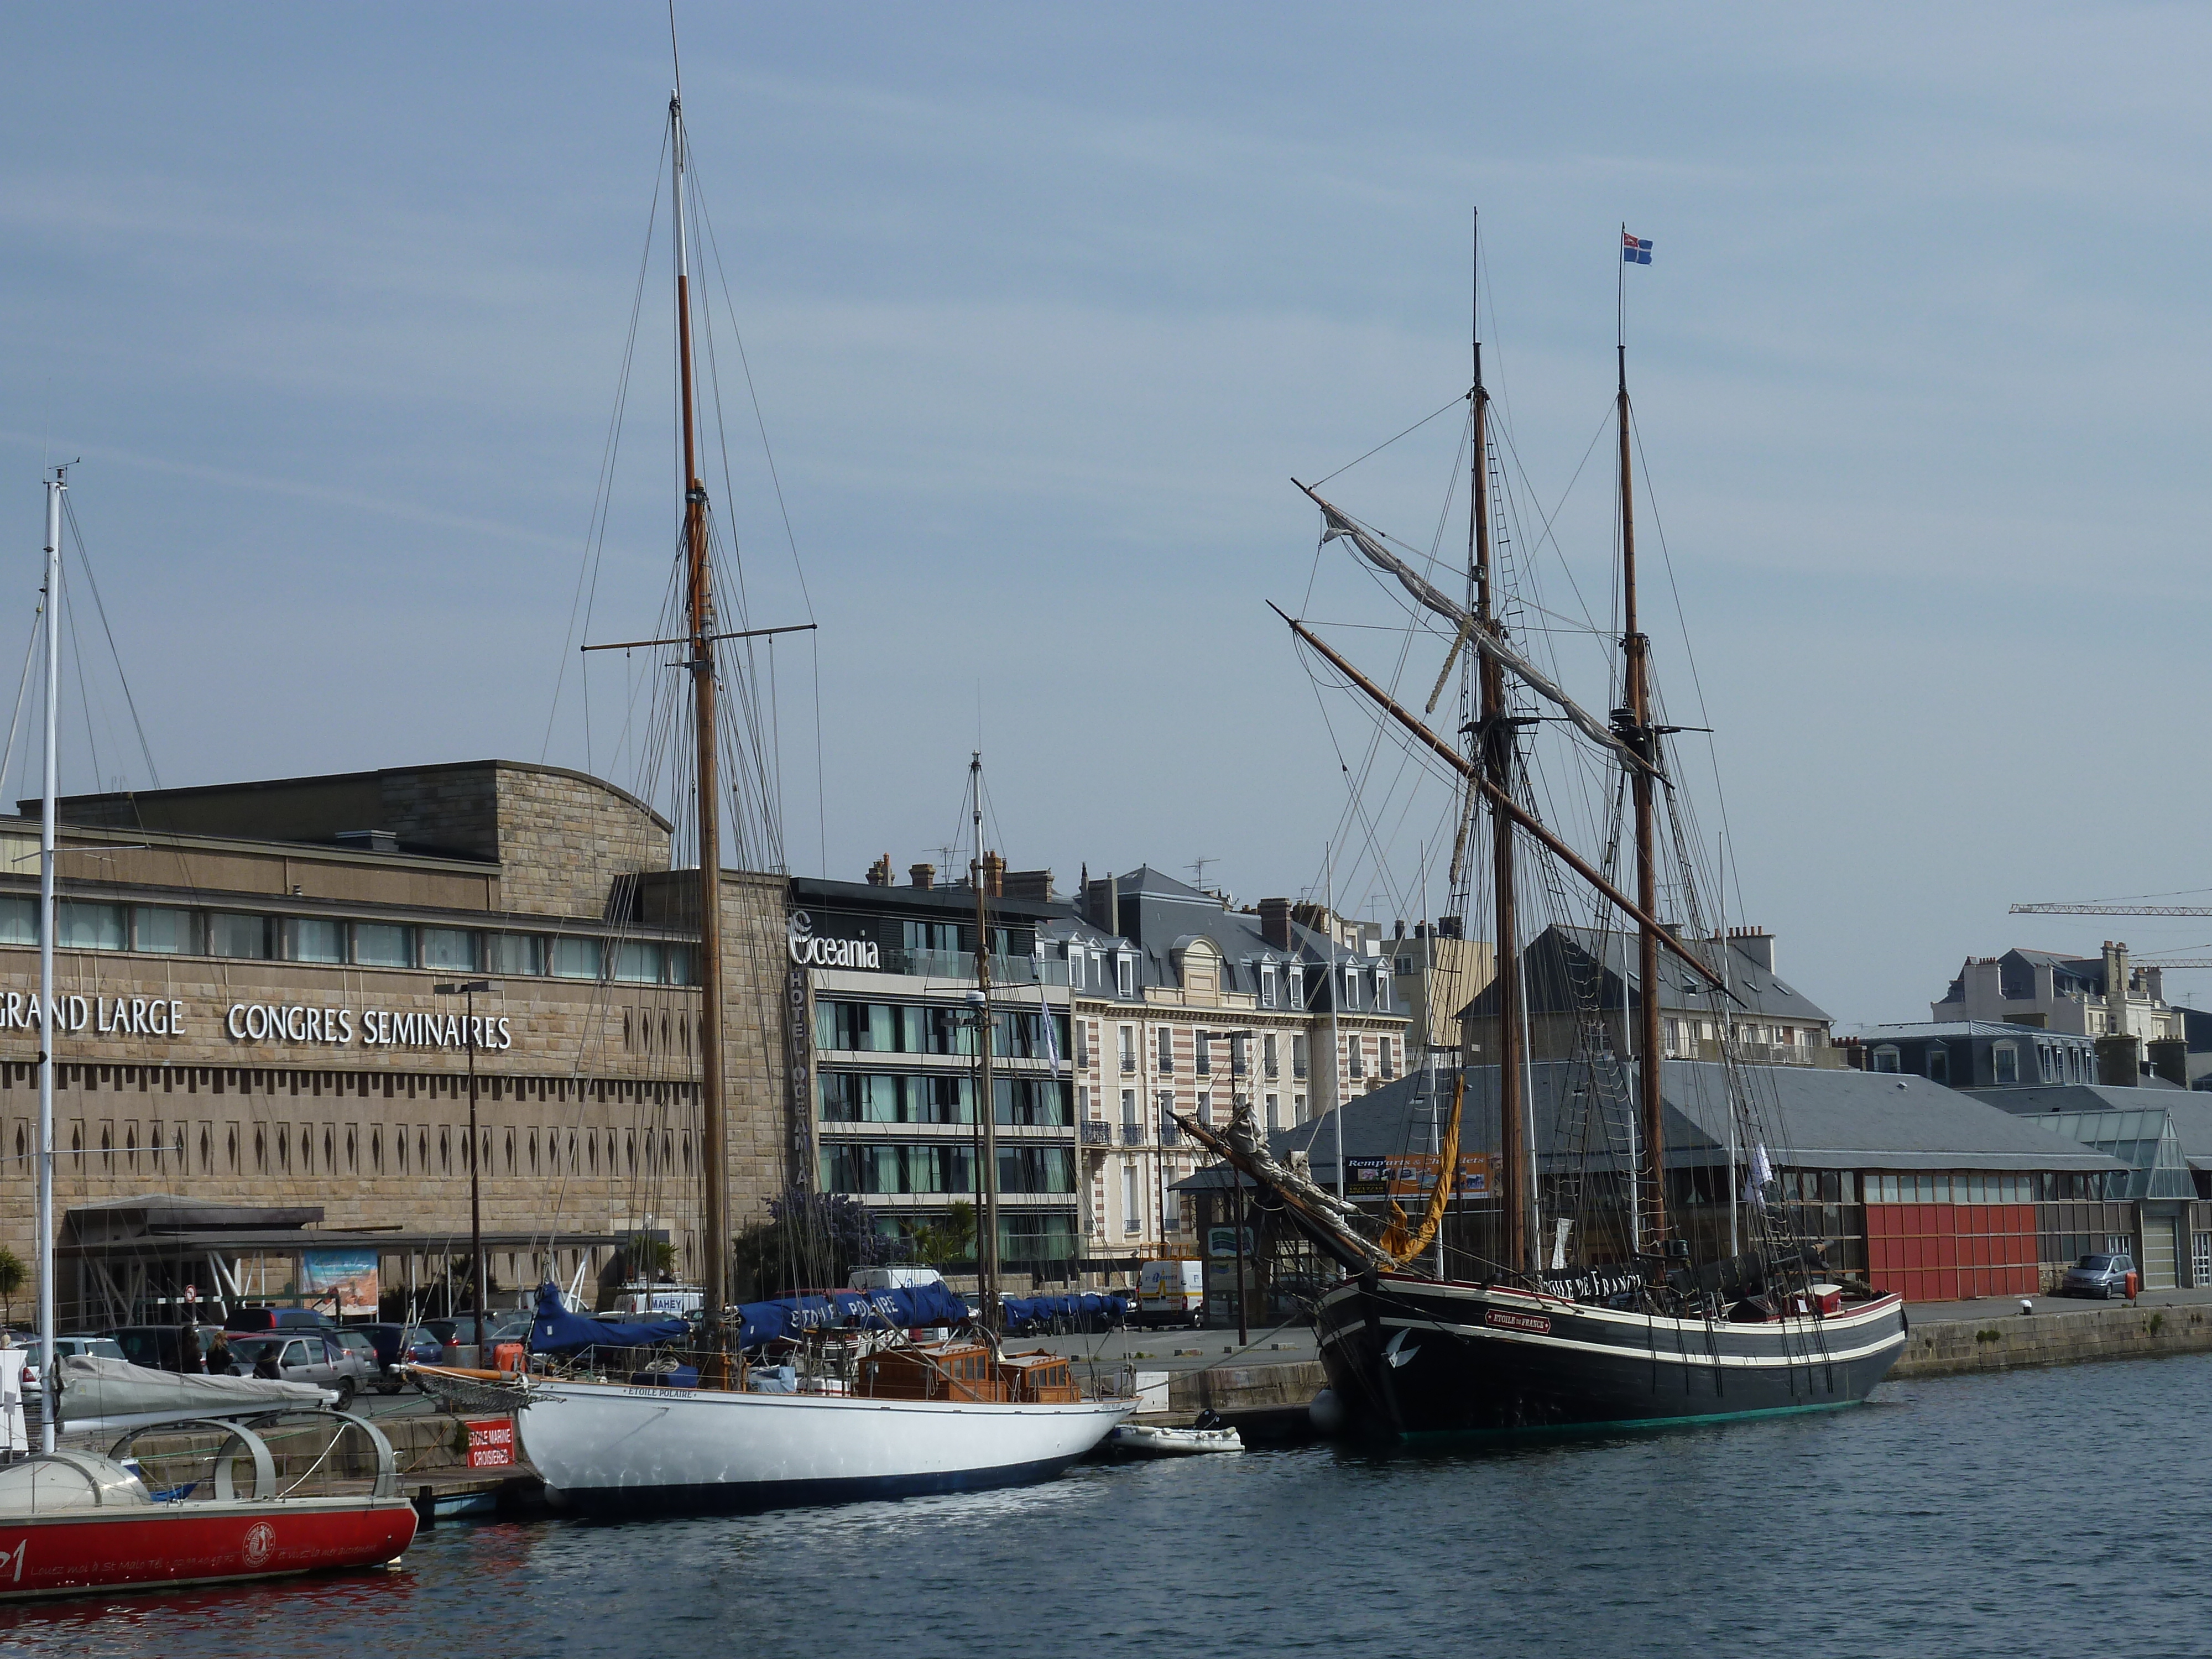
x=2109, y=910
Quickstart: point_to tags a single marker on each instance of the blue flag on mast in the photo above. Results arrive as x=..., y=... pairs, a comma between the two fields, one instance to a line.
x=1634, y=252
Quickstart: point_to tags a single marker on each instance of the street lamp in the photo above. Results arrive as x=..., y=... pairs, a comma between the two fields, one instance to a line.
x=1236, y=1183
x=469, y=988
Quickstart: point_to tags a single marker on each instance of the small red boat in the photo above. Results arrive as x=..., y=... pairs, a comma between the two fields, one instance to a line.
x=74, y=1522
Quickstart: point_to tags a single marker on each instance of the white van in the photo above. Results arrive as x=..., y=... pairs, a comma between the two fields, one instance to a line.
x=1171, y=1293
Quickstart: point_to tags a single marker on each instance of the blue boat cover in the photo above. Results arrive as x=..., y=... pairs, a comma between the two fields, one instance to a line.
x=901, y=1310
x=556, y=1330
x=1030, y=1315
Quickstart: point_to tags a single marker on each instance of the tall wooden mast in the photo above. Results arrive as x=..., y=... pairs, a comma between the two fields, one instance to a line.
x=1633, y=725
x=699, y=623
x=987, y=1105
x=1494, y=735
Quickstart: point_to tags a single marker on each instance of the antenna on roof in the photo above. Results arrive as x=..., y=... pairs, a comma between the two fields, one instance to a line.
x=1197, y=868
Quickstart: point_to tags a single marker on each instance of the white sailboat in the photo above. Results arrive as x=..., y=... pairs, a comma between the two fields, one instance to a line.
x=905, y=1418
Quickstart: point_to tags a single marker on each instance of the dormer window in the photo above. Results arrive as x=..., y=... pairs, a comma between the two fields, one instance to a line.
x=1351, y=987
x=1266, y=984
x=1297, y=985
x=1125, y=976
x=1383, y=993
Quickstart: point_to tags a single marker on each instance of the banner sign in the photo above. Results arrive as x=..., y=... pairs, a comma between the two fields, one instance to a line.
x=349, y=1275
x=1413, y=1174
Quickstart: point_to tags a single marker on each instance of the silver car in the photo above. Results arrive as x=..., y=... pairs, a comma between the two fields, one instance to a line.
x=2102, y=1274
x=315, y=1357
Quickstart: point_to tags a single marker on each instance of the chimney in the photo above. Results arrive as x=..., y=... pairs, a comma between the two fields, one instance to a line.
x=879, y=873
x=1756, y=943
x=1114, y=906
x=2119, y=1056
x=922, y=875
x=1275, y=922
x=994, y=875
x=1401, y=927
x=1450, y=927
x=1026, y=883
x=2169, y=1058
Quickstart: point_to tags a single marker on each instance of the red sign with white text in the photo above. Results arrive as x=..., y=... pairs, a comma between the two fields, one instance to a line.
x=491, y=1442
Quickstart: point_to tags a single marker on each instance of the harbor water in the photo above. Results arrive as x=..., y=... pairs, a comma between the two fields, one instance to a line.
x=2035, y=1512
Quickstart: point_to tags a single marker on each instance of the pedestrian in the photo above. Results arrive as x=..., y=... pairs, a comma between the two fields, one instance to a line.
x=218, y=1357
x=265, y=1366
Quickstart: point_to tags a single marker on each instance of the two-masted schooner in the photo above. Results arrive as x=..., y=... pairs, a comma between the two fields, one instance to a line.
x=1645, y=1319
x=894, y=1416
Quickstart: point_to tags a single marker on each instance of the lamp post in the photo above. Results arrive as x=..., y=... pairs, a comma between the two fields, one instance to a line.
x=468, y=989
x=1236, y=1180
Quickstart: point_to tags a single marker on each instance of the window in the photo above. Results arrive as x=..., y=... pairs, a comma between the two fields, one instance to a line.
x=2007, y=1057
x=452, y=949
x=1268, y=1053
x=1132, y=1216
x=1206, y=1107
x=1885, y=1060
x=1125, y=976
x=514, y=954
x=1128, y=1049
x=1167, y=1052
x=88, y=927
x=1082, y=1034
x=2044, y=1058
x=307, y=938
x=1297, y=985
x=1389, y=1058
x=164, y=932
x=1297, y=1108
x=383, y=945
x=1203, y=1047
x=1382, y=989
x=1274, y=1111
x=575, y=958
x=1299, y=1051
x=637, y=961
x=1170, y=1205
x=1266, y=984
x=245, y=936
x=1674, y=1036
x=1939, y=1063
x=1357, y=1050
x=1129, y=1108
x=1351, y=987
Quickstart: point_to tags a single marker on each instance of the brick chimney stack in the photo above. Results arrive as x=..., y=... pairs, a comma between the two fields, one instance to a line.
x=1275, y=922
x=994, y=875
x=879, y=873
x=922, y=875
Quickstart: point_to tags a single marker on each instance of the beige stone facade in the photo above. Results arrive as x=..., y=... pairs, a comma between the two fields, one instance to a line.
x=248, y=1009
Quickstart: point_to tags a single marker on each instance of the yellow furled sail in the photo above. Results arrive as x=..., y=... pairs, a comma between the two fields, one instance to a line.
x=1402, y=1245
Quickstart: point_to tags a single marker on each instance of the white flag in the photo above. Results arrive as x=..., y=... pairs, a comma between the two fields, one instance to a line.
x=1754, y=1186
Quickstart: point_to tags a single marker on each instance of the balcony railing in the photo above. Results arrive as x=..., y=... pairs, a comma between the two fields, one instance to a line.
x=1097, y=1134
x=1170, y=1134
x=1132, y=1134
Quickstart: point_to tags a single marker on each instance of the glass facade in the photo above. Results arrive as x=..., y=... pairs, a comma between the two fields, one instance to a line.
x=313, y=939
x=383, y=945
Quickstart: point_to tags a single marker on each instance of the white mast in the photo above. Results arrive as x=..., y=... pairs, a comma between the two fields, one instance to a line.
x=47, y=1376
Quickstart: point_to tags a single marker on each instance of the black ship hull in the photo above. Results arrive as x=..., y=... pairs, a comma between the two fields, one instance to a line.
x=1410, y=1356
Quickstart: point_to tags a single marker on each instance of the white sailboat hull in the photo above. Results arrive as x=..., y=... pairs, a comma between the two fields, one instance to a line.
x=605, y=1448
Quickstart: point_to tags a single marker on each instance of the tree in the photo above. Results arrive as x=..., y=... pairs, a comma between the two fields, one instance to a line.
x=12, y=1275
x=648, y=1258
x=952, y=1239
x=810, y=1241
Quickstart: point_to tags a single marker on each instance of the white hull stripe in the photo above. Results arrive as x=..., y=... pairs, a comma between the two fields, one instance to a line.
x=1552, y=1308
x=1684, y=1357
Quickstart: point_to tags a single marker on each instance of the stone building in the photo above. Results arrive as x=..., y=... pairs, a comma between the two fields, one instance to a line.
x=248, y=1015
x=1183, y=1004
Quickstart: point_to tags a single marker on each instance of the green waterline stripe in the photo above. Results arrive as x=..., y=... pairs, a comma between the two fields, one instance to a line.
x=1557, y=1429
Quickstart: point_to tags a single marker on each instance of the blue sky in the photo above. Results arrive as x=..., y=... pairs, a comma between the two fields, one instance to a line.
x=1045, y=306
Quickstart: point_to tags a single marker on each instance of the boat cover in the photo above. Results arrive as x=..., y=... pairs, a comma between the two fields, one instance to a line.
x=1028, y=1315
x=556, y=1330
x=900, y=1310
x=95, y=1388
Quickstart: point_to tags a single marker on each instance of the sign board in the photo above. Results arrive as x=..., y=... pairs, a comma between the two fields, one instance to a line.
x=1222, y=1241
x=1413, y=1174
x=491, y=1442
x=808, y=949
x=350, y=1275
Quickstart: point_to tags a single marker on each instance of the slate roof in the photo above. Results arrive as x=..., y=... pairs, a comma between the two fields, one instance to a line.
x=1815, y=1119
x=1563, y=962
x=2190, y=1113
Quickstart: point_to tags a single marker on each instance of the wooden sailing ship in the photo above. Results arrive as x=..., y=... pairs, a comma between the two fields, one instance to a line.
x=1665, y=1328
x=925, y=1419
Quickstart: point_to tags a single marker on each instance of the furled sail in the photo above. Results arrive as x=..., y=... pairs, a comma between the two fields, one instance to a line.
x=1326, y=1219
x=1404, y=1244
x=1431, y=598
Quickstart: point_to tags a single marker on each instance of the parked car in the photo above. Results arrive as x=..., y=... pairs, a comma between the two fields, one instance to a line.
x=508, y=1325
x=316, y=1357
x=34, y=1395
x=399, y=1345
x=276, y=1319
x=2104, y=1274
